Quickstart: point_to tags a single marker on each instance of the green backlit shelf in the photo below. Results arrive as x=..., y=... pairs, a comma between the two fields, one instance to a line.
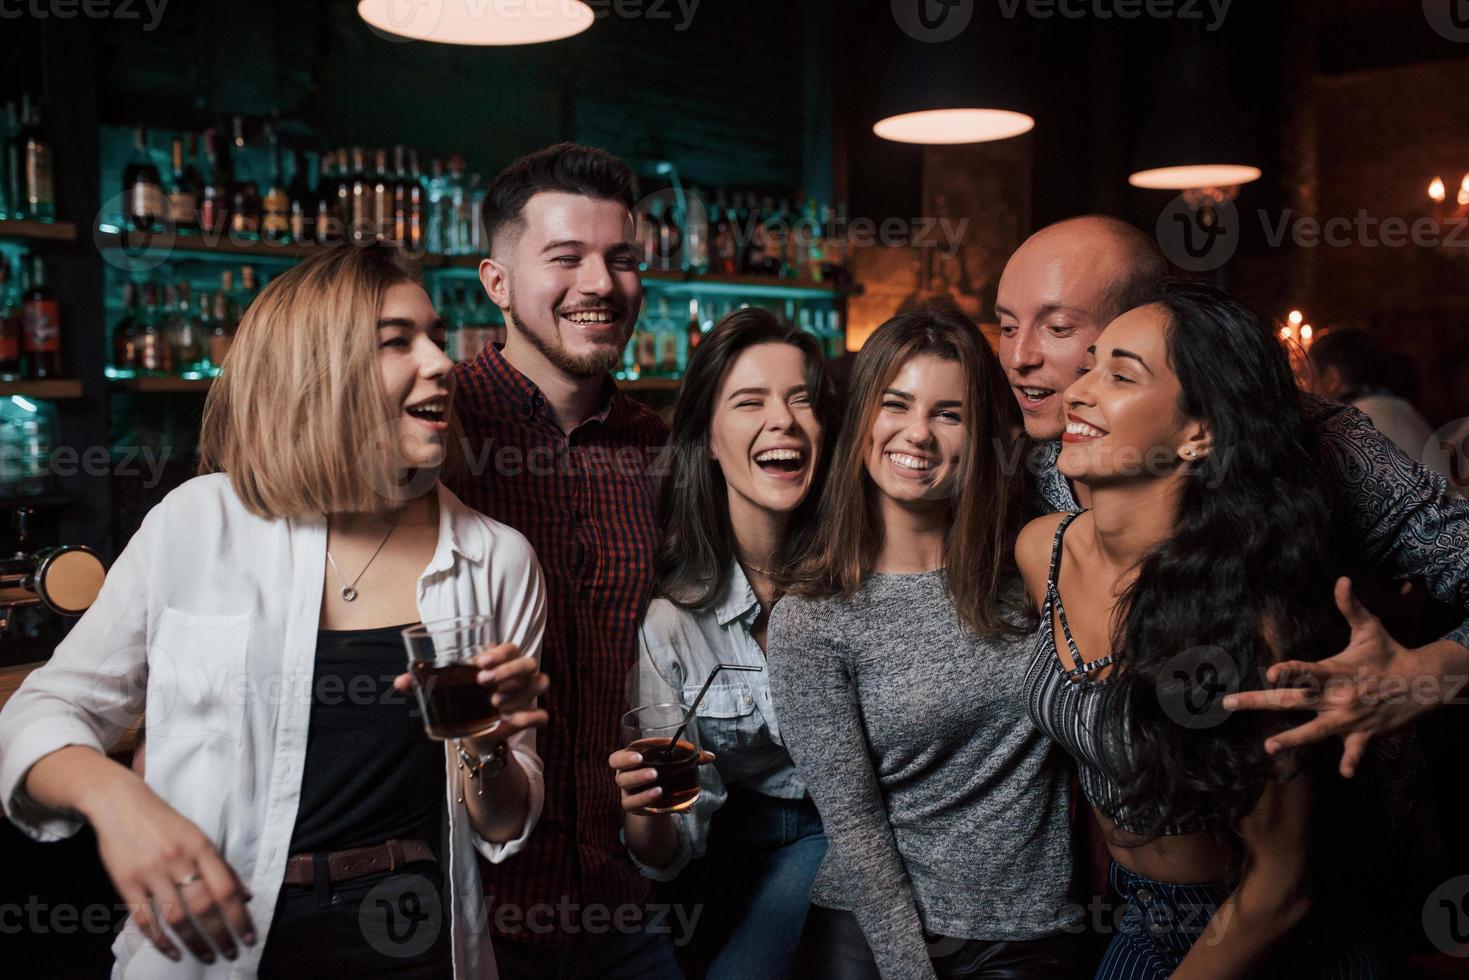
x=39, y=231
x=157, y=248
x=51, y=390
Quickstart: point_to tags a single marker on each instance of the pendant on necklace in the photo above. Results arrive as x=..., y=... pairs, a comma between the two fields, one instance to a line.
x=348, y=593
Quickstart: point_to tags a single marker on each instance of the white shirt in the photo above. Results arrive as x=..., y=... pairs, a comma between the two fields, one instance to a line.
x=207, y=626
x=679, y=650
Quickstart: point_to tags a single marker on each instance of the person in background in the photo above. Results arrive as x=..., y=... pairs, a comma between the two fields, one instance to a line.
x=748, y=447
x=1351, y=367
x=1178, y=582
x=1057, y=292
x=283, y=798
x=896, y=662
x=553, y=449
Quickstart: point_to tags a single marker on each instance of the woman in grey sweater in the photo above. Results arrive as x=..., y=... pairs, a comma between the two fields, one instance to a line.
x=896, y=665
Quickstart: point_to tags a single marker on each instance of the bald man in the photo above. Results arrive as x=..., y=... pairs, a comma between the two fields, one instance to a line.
x=1058, y=291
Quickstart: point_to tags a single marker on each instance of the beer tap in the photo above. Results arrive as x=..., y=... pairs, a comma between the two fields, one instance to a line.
x=64, y=579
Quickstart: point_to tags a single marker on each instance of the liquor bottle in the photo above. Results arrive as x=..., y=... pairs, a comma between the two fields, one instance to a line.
x=670, y=238
x=456, y=188
x=125, y=335
x=189, y=349
x=697, y=229
x=361, y=209
x=222, y=332
x=417, y=230
x=382, y=197
x=725, y=247
x=695, y=334
x=143, y=204
x=275, y=224
x=474, y=214
x=439, y=209
x=342, y=201
x=398, y=182
x=303, y=197
x=155, y=353
x=214, y=200
x=327, y=219
x=40, y=317
x=248, y=288
x=241, y=157
x=183, y=191
x=10, y=326
x=37, y=187
x=667, y=331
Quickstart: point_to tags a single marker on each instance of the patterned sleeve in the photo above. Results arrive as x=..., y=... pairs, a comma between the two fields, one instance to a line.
x=1407, y=522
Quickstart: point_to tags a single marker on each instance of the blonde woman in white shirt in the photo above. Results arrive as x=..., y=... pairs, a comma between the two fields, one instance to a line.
x=253, y=622
x=747, y=448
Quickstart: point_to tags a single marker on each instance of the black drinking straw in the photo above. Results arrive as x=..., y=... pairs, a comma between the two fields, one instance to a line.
x=702, y=691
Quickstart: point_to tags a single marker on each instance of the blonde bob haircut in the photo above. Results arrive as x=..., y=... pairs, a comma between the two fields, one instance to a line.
x=298, y=418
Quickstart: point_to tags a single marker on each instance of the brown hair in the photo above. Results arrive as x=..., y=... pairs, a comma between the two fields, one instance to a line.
x=985, y=511
x=298, y=415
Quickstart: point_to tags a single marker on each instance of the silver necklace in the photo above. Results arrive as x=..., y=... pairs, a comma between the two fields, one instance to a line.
x=349, y=589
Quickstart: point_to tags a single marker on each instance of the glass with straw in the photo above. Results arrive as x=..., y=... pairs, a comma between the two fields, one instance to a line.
x=669, y=744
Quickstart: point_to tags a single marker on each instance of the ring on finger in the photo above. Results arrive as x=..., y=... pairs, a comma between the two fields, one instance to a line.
x=189, y=880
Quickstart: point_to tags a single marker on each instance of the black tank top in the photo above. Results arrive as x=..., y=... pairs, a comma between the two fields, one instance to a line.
x=371, y=773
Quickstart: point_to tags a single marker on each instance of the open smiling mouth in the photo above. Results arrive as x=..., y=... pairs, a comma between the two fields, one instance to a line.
x=593, y=319
x=1030, y=395
x=910, y=463
x=433, y=412
x=781, y=462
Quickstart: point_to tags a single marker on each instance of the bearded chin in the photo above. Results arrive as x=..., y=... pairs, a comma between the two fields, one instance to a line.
x=600, y=361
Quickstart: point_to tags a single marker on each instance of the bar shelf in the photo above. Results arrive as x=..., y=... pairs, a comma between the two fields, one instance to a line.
x=39, y=231
x=55, y=389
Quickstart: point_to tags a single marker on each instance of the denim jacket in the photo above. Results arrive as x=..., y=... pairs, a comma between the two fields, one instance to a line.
x=679, y=648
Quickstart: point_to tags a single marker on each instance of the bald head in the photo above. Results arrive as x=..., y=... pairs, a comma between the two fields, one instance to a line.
x=1059, y=289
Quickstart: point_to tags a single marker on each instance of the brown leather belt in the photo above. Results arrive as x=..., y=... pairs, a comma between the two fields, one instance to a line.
x=359, y=861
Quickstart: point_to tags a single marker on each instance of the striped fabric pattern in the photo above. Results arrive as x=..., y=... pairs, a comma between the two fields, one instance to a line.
x=586, y=502
x=1064, y=700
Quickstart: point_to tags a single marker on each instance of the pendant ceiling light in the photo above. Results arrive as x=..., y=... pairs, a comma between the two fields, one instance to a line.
x=951, y=92
x=1197, y=136
x=478, y=22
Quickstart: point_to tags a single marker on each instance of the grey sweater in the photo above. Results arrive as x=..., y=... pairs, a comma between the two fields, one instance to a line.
x=945, y=808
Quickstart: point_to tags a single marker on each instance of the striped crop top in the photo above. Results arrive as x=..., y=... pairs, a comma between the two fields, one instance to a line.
x=1065, y=702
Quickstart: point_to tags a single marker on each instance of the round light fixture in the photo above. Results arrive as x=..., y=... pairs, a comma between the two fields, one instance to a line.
x=477, y=22
x=949, y=126
x=1195, y=175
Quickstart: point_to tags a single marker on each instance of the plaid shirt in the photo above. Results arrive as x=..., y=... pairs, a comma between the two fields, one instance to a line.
x=586, y=502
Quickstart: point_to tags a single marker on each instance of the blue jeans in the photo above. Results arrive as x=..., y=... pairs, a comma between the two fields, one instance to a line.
x=1161, y=921
x=754, y=887
x=641, y=955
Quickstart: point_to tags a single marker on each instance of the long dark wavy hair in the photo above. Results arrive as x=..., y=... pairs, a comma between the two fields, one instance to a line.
x=692, y=564
x=1244, y=579
x=987, y=507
